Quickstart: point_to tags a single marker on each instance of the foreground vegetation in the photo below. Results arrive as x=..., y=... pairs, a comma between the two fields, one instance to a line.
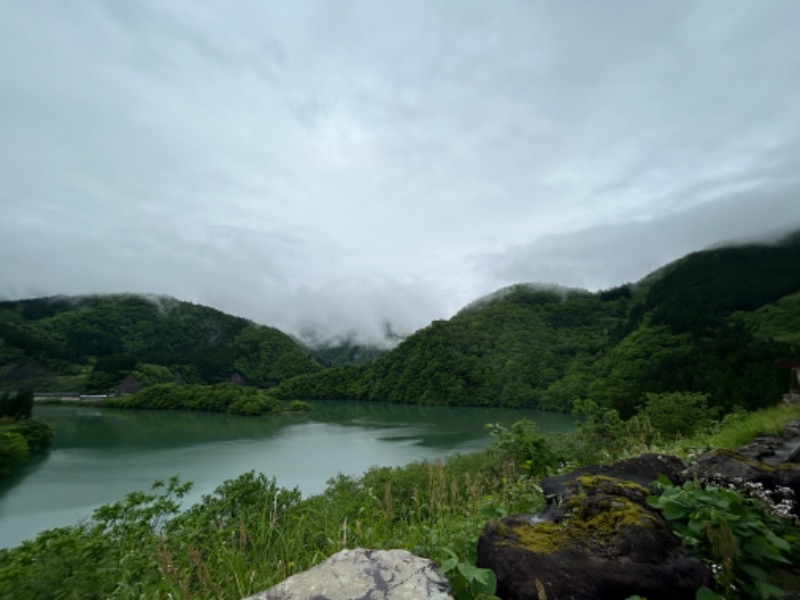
x=250, y=533
x=719, y=321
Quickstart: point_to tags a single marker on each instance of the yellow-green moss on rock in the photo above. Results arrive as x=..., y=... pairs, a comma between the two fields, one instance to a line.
x=593, y=517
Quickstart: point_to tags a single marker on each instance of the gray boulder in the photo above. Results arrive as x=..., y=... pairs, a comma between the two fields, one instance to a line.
x=775, y=450
x=361, y=574
x=727, y=466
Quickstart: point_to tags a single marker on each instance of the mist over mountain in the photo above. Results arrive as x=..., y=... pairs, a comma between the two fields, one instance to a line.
x=715, y=320
x=311, y=165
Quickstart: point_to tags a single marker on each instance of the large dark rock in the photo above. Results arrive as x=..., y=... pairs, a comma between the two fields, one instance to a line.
x=643, y=470
x=775, y=450
x=728, y=466
x=600, y=541
x=771, y=461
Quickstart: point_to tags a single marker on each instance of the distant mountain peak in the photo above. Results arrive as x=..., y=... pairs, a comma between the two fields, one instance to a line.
x=530, y=286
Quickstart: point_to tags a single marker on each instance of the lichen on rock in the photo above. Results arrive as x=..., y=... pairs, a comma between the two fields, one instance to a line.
x=593, y=518
x=599, y=540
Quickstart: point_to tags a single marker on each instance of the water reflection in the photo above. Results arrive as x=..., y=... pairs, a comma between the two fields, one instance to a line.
x=100, y=454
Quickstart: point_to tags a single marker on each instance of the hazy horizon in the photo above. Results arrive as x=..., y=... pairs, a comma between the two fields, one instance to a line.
x=337, y=166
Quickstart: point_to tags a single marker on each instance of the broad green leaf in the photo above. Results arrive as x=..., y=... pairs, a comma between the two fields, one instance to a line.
x=767, y=590
x=674, y=512
x=705, y=593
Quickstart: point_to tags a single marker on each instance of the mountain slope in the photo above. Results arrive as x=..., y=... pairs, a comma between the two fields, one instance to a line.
x=506, y=351
x=697, y=325
x=92, y=343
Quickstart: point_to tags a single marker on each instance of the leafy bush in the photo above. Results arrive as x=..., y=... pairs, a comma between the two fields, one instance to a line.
x=678, y=413
x=222, y=397
x=38, y=434
x=468, y=581
x=528, y=449
x=13, y=450
x=741, y=538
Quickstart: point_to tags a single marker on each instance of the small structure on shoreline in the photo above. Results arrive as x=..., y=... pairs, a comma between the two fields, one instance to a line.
x=70, y=398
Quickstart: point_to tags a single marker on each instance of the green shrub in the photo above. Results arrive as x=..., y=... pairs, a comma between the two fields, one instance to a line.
x=741, y=538
x=524, y=445
x=13, y=450
x=38, y=434
x=678, y=413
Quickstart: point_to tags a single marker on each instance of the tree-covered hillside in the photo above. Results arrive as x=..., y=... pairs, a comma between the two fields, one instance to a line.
x=508, y=351
x=717, y=322
x=96, y=343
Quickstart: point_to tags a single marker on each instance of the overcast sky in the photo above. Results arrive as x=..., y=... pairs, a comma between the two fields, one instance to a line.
x=338, y=164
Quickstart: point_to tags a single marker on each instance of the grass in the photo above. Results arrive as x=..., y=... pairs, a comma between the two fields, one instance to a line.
x=738, y=429
x=251, y=534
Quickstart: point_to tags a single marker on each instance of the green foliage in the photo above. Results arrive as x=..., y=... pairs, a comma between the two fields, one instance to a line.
x=685, y=328
x=469, y=582
x=148, y=374
x=717, y=321
x=739, y=537
x=110, y=370
x=779, y=321
x=297, y=406
x=20, y=433
x=114, y=556
x=740, y=427
x=634, y=366
x=505, y=352
x=601, y=435
x=38, y=434
x=678, y=413
x=18, y=406
x=707, y=286
x=13, y=450
x=524, y=445
x=251, y=533
x=114, y=333
x=222, y=397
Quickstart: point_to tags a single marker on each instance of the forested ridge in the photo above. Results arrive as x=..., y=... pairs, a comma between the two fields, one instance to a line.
x=96, y=343
x=717, y=322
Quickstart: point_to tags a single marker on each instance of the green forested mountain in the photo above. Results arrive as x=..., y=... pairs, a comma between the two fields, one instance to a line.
x=505, y=352
x=94, y=343
x=717, y=322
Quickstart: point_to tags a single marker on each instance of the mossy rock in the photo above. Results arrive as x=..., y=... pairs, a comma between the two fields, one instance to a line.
x=601, y=541
x=723, y=466
x=642, y=470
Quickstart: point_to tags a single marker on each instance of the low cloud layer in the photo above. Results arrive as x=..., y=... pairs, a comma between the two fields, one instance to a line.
x=331, y=167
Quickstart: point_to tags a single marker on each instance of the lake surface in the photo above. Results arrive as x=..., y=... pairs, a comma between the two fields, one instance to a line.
x=101, y=454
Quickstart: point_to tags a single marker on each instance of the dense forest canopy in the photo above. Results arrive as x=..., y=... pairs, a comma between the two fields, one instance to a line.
x=717, y=322
x=94, y=343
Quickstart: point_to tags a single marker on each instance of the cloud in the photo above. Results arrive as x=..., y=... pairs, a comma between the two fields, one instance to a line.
x=608, y=255
x=329, y=165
